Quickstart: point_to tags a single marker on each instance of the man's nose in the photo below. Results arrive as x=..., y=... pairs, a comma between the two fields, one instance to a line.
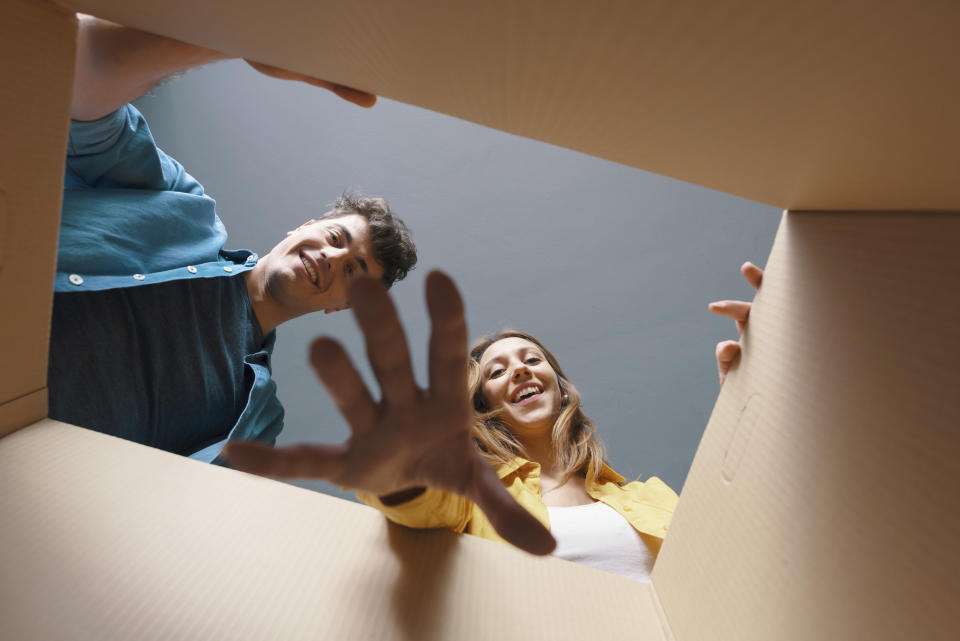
x=334, y=257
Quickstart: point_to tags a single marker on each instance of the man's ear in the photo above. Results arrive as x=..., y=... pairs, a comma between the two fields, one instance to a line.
x=339, y=308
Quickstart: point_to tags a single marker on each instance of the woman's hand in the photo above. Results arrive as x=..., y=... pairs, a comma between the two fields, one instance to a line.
x=739, y=311
x=412, y=437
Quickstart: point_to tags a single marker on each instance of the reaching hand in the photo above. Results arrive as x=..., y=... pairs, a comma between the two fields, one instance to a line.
x=349, y=94
x=739, y=311
x=412, y=437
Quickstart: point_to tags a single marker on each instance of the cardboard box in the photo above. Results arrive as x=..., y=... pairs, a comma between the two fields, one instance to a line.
x=820, y=502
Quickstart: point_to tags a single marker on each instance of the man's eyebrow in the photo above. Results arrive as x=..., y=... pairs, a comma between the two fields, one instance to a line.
x=345, y=232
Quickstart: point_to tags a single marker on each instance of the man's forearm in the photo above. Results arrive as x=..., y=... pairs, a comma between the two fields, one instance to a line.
x=117, y=64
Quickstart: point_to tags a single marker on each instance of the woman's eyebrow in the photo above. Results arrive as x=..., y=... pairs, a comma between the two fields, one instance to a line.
x=493, y=361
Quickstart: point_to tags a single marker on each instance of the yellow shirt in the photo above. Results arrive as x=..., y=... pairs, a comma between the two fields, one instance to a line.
x=648, y=506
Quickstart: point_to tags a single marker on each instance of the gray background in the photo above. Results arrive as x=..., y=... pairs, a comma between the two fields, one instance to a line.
x=611, y=267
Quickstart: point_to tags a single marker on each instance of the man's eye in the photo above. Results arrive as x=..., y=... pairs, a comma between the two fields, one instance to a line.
x=334, y=239
x=350, y=271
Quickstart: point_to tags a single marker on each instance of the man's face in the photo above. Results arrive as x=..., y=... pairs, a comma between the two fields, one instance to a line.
x=312, y=267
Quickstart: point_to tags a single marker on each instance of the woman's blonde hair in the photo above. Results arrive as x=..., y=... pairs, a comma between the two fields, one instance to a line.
x=573, y=435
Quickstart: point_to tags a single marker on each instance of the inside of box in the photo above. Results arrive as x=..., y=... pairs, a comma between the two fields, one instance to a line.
x=813, y=509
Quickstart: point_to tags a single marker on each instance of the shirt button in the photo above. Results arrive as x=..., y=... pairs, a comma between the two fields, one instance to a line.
x=228, y=268
x=627, y=508
x=138, y=277
x=76, y=279
x=191, y=269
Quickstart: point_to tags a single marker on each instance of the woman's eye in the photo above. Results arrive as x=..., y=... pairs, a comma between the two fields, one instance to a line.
x=533, y=360
x=495, y=373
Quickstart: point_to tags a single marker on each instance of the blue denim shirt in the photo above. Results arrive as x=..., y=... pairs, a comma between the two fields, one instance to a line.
x=133, y=217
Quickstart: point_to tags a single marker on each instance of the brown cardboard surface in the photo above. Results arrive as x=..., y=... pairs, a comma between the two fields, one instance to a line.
x=821, y=501
x=36, y=64
x=105, y=539
x=822, y=104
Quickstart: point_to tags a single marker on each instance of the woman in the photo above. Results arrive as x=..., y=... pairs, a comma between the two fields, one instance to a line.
x=414, y=438
x=529, y=425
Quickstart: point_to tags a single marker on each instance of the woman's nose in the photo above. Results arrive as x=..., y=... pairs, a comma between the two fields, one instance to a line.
x=521, y=373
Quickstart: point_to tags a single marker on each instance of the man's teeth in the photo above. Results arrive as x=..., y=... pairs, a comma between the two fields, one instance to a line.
x=527, y=393
x=310, y=271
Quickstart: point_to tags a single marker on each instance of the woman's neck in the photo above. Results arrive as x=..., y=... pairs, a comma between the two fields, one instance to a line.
x=539, y=449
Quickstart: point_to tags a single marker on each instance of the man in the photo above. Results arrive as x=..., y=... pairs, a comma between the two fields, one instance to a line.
x=152, y=318
x=159, y=335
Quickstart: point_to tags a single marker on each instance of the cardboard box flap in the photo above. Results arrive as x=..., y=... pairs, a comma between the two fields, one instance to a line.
x=114, y=540
x=823, y=104
x=36, y=63
x=817, y=506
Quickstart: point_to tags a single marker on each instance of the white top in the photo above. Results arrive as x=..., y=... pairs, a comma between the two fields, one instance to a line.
x=598, y=536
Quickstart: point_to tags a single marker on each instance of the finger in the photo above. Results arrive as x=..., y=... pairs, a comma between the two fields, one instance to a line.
x=357, y=97
x=727, y=352
x=448, y=338
x=386, y=343
x=344, y=384
x=298, y=461
x=752, y=273
x=510, y=519
x=738, y=310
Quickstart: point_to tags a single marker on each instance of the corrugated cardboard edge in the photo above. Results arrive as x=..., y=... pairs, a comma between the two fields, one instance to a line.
x=664, y=621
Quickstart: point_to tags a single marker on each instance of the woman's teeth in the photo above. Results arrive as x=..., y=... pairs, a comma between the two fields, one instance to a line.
x=527, y=393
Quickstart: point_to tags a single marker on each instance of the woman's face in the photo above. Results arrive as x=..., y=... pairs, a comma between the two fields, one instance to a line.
x=517, y=379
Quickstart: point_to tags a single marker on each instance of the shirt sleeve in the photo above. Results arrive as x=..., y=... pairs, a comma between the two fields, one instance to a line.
x=432, y=509
x=118, y=152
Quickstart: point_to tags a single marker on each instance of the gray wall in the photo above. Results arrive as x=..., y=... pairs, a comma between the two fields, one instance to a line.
x=610, y=266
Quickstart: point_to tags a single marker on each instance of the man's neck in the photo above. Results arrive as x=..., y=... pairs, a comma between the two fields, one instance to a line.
x=265, y=308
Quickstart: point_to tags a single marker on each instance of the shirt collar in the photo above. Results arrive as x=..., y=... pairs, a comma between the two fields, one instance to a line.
x=529, y=468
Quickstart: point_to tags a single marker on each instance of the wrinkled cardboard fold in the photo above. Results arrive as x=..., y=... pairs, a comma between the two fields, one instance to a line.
x=818, y=504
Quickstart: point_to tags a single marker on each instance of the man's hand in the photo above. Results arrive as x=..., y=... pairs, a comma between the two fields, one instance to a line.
x=117, y=64
x=412, y=437
x=357, y=97
x=739, y=311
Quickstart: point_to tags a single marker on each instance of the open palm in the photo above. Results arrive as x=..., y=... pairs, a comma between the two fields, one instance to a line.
x=412, y=437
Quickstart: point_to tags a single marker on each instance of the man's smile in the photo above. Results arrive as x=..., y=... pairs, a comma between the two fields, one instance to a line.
x=314, y=271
